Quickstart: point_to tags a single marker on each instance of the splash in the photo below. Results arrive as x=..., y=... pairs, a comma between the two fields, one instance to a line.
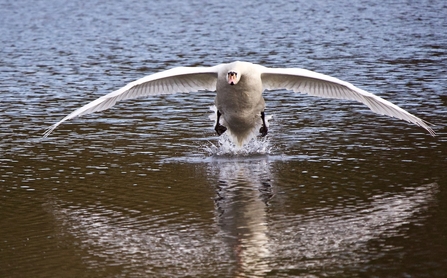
x=226, y=146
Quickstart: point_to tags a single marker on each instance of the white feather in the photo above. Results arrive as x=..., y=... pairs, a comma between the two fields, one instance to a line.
x=176, y=80
x=241, y=103
x=320, y=85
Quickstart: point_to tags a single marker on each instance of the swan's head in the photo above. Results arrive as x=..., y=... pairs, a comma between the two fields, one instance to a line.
x=233, y=77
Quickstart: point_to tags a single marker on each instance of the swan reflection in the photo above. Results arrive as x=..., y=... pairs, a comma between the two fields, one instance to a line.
x=243, y=193
x=251, y=234
x=332, y=238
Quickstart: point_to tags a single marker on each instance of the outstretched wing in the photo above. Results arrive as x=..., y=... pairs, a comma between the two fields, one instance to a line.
x=176, y=80
x=317, y=84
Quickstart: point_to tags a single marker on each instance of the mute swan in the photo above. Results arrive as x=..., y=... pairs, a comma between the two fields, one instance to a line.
x=239, y=87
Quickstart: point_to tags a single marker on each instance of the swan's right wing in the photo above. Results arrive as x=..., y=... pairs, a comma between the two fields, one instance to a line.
x=176, y=80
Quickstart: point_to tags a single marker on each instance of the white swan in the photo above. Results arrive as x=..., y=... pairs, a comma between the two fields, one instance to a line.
x=239, y=87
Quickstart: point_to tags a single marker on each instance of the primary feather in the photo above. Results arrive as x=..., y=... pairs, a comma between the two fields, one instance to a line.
x=240, y=101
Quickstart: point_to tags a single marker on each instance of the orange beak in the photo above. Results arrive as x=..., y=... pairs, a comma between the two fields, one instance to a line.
x=232, y=78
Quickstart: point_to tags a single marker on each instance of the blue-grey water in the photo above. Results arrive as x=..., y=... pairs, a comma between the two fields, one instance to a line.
x=147, y=189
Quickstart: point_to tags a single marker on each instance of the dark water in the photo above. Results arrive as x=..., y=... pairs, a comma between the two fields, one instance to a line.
x=145, y=189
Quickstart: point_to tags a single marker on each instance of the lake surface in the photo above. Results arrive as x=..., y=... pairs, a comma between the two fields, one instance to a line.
x=147, y=189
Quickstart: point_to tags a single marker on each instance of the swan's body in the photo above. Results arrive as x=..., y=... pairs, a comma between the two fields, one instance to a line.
x=239, y=87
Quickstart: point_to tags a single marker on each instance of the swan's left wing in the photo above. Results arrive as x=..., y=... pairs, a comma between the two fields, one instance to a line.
x=176, y=80
x=317, y=84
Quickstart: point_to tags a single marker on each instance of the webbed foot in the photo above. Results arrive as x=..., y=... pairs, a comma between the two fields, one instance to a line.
x=263, y=130
x=220, y=129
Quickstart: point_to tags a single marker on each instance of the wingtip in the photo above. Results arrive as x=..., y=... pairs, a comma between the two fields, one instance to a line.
x=431, y=131
x=49, y=130
x=426, y=125
x=46, y=133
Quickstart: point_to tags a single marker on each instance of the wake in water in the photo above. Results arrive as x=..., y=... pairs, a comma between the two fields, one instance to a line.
x=226, y=146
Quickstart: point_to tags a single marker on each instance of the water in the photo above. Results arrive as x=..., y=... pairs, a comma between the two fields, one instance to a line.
x=146, y=189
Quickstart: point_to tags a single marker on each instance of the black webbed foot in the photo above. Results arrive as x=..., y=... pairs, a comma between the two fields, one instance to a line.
x=263, y=130
x=220, y=129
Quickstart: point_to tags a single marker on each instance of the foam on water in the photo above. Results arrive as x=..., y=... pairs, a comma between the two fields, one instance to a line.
x=226, y=147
